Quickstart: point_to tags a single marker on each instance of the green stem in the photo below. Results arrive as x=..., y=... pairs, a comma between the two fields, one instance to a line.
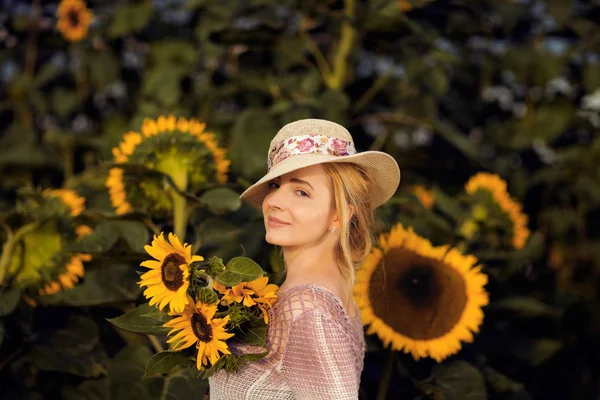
x=9, y=246
x=347, y=38
x=179, y=215
x=387, y=374
x=179, y=175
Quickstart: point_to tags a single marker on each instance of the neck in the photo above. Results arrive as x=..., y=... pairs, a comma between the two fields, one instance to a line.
x=313, y=262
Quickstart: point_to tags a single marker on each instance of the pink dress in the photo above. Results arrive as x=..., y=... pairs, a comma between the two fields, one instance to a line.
x=316, y=351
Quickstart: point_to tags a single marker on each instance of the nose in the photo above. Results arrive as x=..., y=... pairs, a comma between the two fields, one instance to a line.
x=274, y=200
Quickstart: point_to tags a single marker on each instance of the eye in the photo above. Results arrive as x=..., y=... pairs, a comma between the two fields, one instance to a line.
x=302, y=193
x=272, y=185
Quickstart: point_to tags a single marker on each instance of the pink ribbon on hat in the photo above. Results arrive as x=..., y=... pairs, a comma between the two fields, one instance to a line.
x=309, y=144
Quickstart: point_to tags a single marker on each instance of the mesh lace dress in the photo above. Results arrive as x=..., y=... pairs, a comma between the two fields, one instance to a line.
x=316, y=351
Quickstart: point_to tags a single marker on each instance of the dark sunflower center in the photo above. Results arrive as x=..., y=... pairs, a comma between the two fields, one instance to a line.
x=172, y=275
x=73, y=17
x=418, y=297
x=201, y=328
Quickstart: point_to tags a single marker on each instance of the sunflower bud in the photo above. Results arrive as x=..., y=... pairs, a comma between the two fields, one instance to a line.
x=208, y=296
x=480, y=213
x=214, y=266
x=469, y=228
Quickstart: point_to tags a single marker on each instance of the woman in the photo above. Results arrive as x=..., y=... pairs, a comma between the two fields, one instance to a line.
x=317, y=199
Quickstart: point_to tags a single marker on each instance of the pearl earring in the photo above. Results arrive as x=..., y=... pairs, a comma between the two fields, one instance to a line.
x=333, y=229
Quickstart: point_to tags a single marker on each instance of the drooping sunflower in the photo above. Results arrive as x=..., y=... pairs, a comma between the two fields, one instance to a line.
x=418, y=298
x=74, y=271
x=197, y=326
x=42, y=260
x=177, y=147
x=70, y=198
x=257, y=292
x=496, y=187
x=168, y=279
x=74, y=19
x=425, y=196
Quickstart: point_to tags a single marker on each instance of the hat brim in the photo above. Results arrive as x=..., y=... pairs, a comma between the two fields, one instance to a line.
x=381, y=167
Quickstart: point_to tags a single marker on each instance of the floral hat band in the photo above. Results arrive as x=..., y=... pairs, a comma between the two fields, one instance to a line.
x=309, y=144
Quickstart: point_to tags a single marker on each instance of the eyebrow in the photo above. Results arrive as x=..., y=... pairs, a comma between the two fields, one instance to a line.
x=297, y=180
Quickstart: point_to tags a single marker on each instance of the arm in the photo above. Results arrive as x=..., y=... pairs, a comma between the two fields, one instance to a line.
x=318, y=362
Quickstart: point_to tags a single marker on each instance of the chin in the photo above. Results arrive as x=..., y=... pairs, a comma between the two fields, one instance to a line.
x=275, y=239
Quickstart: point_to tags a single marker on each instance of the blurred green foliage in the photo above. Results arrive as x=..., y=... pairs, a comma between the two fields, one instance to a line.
x=449, y=88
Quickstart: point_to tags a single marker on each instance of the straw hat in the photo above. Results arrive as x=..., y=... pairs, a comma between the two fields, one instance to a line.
x=309, y=142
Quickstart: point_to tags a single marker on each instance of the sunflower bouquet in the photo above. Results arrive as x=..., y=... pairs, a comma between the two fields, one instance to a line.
x=200, y=307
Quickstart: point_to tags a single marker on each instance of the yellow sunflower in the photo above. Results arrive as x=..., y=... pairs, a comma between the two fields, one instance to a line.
x=496, y=186
x=177, y=147
x=425, y=196
x=74, y=18
x=168, y=280
x=73, y=272
x=418, y=298
x=257, y=292
x=197, y=326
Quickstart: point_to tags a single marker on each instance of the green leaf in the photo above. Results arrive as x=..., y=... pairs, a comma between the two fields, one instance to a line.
x=106, y=233
x=547, y=122
x=9, y=300
x=92, y=389
x=255, y=334
x=501, y=383
x=460, y=380
x=525, y=306
x=239, y=269
x=103, y=67
x=64, y=101
x=130, y=18
x=135, y=321
x=126, y=372
x=183, y=387
x=113, y=284
x=221, y=200
x=165, y=361
x=75, y=349
x=537, y=351
x=447, y=205
x=457, y=139
x=250, y=139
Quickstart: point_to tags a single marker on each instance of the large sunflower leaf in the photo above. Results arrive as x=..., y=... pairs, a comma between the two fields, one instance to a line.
x=239, y=269
x=181, y=387
x=137, y=320
x=74, y=349
x=93, y=389
x=255, y=333
x=221, y=200
x=460, y=380
x=125, y=373
x=248, y=155
x=106, y=234
x=165, y=361
x=113, y=284
x=9, y=300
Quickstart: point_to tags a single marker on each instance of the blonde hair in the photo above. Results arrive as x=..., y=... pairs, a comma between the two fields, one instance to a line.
x=352, y=187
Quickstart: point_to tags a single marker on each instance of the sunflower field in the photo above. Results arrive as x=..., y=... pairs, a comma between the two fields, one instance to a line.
x=120, y=120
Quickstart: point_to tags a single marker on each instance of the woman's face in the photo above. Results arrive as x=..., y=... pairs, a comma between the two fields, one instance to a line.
x=298, y=208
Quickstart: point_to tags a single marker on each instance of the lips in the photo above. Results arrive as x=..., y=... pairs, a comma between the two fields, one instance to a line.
x=277, y=221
